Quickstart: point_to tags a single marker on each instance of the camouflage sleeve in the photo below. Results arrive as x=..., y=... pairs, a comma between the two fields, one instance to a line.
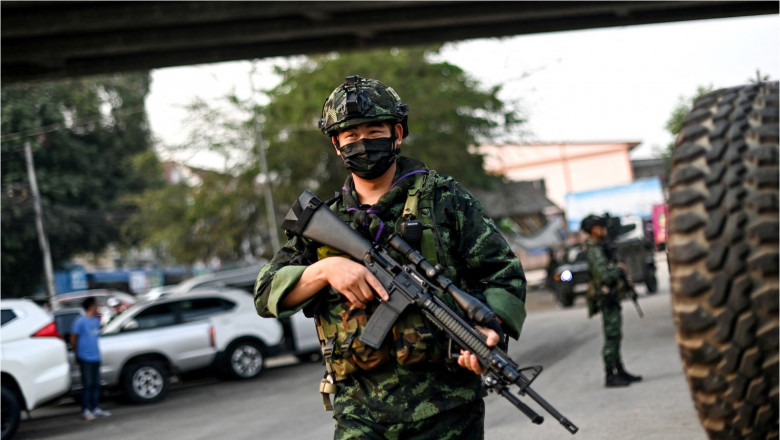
x=602, y=271
x=490, y=264
x=278, y=277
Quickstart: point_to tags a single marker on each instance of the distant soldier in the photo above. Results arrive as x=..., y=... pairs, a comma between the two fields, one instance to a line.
x=607, y=287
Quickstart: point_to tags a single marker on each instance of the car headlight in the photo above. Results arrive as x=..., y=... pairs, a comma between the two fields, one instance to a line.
x=566, y=275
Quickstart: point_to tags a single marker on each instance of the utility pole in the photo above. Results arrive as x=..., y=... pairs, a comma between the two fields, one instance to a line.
x=43, y=241
x=268, y=193
x=269, y=196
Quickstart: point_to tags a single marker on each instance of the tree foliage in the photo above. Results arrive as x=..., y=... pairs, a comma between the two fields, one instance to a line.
x=225, y=215
x=675, y=121
x=448, y=113
x=89, y=138
x=213, y=217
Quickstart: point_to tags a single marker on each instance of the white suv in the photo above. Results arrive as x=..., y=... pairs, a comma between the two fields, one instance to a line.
x=34, y=361
x=300, y=334
x=206, y=328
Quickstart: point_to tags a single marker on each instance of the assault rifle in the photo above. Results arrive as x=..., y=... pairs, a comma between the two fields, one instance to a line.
x=414, y=283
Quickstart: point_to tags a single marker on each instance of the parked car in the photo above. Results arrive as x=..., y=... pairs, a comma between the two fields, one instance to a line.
x=300, y=334
x=208, y=329
x=242, y=278
x=110, y=302
x=34, y=361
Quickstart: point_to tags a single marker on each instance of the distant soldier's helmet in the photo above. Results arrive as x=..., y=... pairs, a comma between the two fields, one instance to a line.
x=360, y=100
x=592, y=220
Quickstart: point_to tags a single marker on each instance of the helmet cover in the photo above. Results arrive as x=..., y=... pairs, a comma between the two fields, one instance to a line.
x=592, y=220
x=361, y=100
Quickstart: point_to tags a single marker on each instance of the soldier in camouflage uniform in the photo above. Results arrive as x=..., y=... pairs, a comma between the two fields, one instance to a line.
x=412, y=387
x=605, y=291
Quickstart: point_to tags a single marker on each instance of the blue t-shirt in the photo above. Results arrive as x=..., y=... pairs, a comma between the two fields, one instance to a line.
x=88, y=330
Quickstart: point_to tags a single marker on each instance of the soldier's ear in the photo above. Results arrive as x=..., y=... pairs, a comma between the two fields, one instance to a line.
x=399, y=134
x=335, y=142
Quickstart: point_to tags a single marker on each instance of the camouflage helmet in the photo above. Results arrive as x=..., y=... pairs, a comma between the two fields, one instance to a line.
x=592, y=220
x=360, y=100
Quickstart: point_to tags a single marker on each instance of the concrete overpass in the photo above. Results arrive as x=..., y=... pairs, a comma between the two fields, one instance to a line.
x=55, y=39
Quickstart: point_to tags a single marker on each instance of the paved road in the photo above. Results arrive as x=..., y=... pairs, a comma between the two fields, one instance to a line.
x=284, y=403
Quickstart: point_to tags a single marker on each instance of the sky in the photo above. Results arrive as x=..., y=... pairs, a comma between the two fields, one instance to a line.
x=610, y=84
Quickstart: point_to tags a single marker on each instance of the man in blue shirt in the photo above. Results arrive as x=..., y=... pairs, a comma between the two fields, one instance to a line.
x=84, y=340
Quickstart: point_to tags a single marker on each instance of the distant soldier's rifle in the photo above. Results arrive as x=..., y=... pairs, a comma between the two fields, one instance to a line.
x=631, y=292
x=412, y=284
x=614, y=230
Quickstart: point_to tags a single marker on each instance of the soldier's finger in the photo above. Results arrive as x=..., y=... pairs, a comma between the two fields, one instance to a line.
x=377, y=287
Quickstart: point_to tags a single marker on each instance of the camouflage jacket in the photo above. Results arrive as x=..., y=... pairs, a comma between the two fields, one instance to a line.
x=605, y=275
x=484, y=266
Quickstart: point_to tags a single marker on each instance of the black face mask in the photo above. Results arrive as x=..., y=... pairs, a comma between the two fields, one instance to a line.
x=369, y=158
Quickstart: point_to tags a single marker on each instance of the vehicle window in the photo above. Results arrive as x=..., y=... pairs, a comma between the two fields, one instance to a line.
x=156, y=316
x=8, y=315
x=64, y=322
x=198, y=308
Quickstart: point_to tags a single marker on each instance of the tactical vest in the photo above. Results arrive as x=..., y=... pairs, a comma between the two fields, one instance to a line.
x=414, y=340
x=596, y=295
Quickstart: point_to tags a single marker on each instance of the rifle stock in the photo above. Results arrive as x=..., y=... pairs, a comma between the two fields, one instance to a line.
x=413, y=284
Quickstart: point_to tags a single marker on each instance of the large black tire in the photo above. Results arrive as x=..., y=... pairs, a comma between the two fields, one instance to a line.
x=145, y=381
x=723, y=253
x=12, y=413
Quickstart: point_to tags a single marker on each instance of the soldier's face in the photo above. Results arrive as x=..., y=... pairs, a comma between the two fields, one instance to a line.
x=371, y=130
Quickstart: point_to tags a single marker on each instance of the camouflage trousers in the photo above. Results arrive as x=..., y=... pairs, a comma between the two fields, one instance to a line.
x=466, y=422
x=612, y=319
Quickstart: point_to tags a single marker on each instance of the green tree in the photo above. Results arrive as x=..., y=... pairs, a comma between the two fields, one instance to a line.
x=86, y=135
x=225, y=218
x=210, y=215
x=448, y=113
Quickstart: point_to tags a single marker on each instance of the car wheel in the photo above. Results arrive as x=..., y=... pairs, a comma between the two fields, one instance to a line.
x=723, y=253
x=11, y=413
x=651, y=282
x=245, y=359
x=565, y=295
x=146, y=382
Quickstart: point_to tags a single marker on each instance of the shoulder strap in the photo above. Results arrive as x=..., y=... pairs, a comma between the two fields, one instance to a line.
x=420, y=204
x=410, y=208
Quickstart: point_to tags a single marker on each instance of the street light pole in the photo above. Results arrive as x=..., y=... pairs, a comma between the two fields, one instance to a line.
x=43, y=241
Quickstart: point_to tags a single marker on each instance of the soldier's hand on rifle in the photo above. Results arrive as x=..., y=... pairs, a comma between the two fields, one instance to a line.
x=348, y=277
x=356, y=283
x=468, y=360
